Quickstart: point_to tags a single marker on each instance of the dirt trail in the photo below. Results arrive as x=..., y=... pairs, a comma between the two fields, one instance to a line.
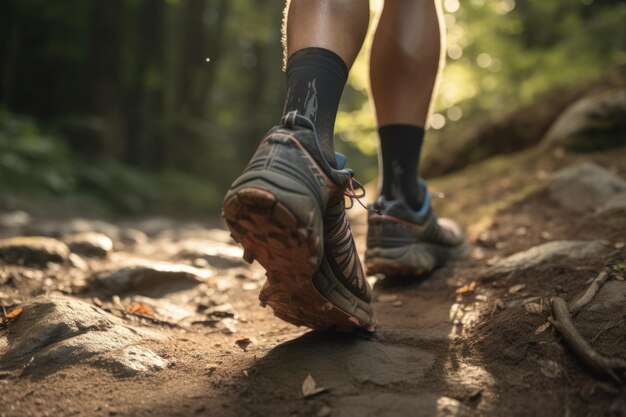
x=458, y=343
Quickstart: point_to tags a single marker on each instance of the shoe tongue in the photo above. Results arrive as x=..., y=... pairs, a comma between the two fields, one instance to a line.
x=341, y=160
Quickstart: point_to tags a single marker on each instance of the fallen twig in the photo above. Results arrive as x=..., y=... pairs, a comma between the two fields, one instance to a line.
x=607, y=326
x=562, y=321
x=150, y=319
x=591, y=292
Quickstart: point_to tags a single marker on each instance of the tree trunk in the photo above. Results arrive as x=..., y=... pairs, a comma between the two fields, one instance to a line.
x=104, y=69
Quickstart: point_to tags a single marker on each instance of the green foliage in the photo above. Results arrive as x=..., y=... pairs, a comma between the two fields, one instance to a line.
x=501, y=54
x=33, y=162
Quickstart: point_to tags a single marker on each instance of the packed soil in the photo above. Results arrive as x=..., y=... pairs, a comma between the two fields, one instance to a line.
x=453, y=343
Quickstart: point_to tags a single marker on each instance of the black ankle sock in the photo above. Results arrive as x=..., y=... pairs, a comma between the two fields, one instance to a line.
x=315, y=81
x=400, y=147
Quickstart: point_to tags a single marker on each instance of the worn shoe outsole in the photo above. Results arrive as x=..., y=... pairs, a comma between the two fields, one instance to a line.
x=415, y=259
x=290, y=250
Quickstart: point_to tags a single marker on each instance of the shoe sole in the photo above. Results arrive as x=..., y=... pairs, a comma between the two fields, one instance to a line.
x=290, y=251
x=415, y=259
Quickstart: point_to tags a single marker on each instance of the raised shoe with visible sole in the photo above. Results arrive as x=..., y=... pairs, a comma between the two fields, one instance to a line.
x=402, y=241
x=287, y=212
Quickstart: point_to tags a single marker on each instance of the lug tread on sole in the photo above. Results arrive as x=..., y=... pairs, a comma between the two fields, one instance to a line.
x=272, y=235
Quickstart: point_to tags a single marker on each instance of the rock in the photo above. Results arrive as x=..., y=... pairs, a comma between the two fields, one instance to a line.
x=344, y=360
x=156, y=225
x=439, y=332
x=216, y=254
x=132, y=237
x=131, y=360
x=193, y=231
x=79, y=225
x=596, y=121
x=150, y=279
x=78, y=262
x=12, y=223
x=75, y=226
x=392, y=364
x=562, y=250
x=33, y=250
x=91, y=244
x=398, y=405
x=611, y=294
x=586, y=187
x=163, y=308
x=616, y=206
x=56, y=331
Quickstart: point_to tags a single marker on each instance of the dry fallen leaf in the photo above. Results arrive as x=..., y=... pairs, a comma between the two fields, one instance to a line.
x=545, y=326
x=243, y=342
x=139, y=308
x=14, y=313
x=533, y=308
x=619, y=245
x=516, y=288
x=619, y=277
x=310, y=388
x=466, y=288
x=117, y=302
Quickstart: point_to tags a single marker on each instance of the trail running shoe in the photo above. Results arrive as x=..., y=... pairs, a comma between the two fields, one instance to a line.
x=287, y=211
x=402, y=241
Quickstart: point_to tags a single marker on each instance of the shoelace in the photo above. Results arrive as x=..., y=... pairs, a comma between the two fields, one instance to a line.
x=352, y=195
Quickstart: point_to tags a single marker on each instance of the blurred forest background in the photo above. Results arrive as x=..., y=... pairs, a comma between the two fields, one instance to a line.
x=156, y=105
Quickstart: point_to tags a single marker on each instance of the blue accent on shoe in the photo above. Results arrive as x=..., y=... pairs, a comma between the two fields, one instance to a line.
x=423, y=211
x=341, y=160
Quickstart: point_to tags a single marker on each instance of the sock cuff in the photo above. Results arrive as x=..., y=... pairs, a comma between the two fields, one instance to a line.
x=323, y=57
x=398, y=130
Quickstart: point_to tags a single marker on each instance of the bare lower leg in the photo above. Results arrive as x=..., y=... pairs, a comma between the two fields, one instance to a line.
x=404, y=66
x=337, y=25
x=405, y=61
x=323, y=37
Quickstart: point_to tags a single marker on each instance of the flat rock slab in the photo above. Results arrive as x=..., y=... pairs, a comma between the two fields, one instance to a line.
x=12, y=223
x=592, y=122
x=131, y=360
x=58, y=331
x=616, y=206
x=338, y=361
x=561, y=250
x=90, y=244
x=611, y=294
x=217, y=254
x=150, y=279
x=58, y=228
x=585, y=188
x=33, y=250
x=398, y=405
x=164, y=308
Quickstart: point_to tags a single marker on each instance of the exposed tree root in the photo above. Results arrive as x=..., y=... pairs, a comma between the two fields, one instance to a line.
x=562, y=321
x=592, y=290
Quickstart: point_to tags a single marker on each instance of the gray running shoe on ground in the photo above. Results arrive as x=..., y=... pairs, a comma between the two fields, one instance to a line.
x=287, y=211
x=402, y=241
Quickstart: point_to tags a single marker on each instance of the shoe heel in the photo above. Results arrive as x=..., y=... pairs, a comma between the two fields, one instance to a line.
x=278, y=226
